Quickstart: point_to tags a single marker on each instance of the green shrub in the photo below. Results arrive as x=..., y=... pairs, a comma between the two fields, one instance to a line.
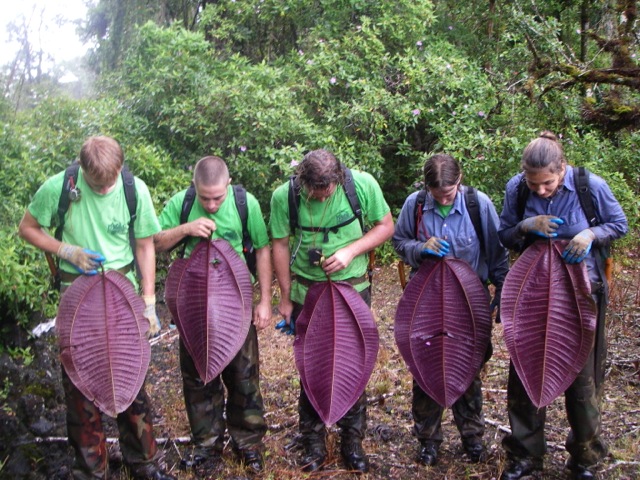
x=263, y=82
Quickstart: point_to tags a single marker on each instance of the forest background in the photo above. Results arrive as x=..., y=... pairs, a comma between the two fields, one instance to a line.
x=260, y=82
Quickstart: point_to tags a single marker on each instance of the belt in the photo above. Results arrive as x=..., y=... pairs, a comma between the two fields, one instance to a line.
x=308, y=282
x=67, y=277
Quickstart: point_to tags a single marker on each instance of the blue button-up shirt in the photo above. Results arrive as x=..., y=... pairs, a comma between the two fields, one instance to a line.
x=565, y=204
x=490, y=262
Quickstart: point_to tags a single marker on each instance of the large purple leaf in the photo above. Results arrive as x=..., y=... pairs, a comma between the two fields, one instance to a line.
x=335, y=348
x=213, y=305
x=443, y=327
x=549, y=320
x=102, y=337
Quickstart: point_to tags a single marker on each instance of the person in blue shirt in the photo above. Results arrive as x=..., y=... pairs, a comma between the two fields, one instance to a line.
x=552, y=209
x=445, y=228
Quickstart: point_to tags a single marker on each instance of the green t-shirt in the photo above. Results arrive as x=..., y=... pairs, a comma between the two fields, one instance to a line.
x=444, y=209
x=97, y=222
x=227, y=219
x=331, y=212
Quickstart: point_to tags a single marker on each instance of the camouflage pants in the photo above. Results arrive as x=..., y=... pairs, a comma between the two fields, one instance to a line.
x=353, y=425
x=467, y=413
x=582, y=402
x=205, y=404
x=87, y=437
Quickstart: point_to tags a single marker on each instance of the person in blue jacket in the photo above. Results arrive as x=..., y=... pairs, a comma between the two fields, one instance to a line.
x=552, y=209
x=445, y=228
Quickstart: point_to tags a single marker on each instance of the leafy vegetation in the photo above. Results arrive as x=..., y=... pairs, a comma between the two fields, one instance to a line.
x=384, y=85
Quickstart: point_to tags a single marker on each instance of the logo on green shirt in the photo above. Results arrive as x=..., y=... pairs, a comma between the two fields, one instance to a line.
x=117, y=228
x=343, y=216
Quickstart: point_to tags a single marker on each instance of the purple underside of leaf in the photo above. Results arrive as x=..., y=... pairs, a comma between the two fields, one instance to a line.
x=549, y=320
x=172, y=285
x=214, y=306
x=443, y=328
x=102, y=340
x=335, y=349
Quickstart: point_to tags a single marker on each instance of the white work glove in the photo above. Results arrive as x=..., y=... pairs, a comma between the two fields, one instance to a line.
x=85, y=261
x=151, y=316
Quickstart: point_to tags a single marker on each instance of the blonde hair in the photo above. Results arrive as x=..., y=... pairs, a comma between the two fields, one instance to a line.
x=102, y=159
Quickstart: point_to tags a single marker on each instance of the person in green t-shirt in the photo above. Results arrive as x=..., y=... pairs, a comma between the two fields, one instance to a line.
x=96, y=233
x=326, y=244
x=214, y=215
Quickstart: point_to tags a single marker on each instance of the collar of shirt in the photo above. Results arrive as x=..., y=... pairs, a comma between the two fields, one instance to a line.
x=430, y=203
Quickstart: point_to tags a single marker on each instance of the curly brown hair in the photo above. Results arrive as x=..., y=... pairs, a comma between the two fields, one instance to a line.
x=319, y=169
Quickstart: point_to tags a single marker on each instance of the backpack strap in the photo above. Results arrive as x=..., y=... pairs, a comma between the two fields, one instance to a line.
x=240, y=195
x=327, y=230
x=583, y=189
x=473, y=208
x=68, y=193
x=187, y=205
x=417, y=211
x=294, y=203
x=522, y=194
x=129, y=184
x=417, y=220
x=350, y=191
x=581, y=181
x=68, y=186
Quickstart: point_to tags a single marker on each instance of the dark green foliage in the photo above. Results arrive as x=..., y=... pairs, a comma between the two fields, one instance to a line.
x=382, y=84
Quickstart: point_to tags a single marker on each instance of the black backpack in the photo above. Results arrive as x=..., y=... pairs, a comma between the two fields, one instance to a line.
x=70, y=193
x=349, y=190
x=240, y=195
x=473, y=207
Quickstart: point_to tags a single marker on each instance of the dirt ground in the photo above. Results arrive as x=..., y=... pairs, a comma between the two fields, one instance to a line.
x=389, y=443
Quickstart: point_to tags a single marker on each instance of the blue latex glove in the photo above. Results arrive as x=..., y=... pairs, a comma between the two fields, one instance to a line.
x=98, y=259
x=579, y=247
x=286, y=328
x=85, y=261
x=542, y=225
x=435, y=246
